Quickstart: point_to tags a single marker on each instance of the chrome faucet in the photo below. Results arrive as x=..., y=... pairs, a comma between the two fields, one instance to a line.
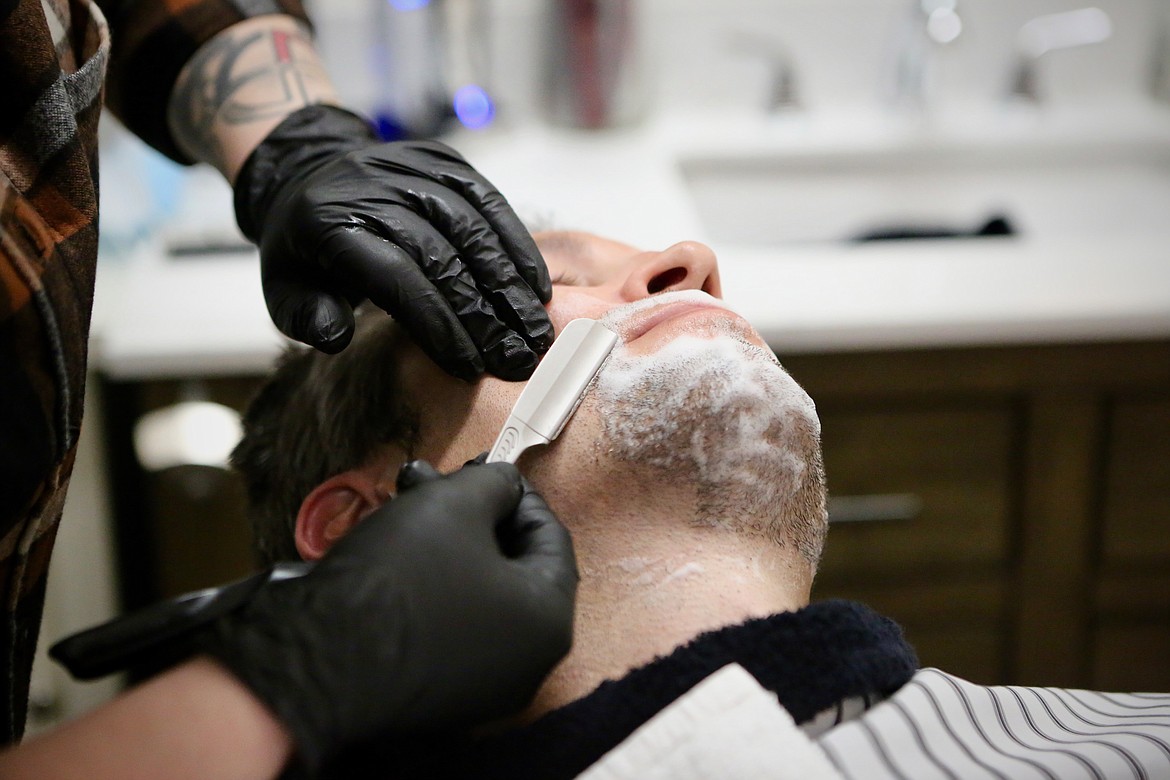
x=1160, y=61
x=1053, y=32
x=783, y=93
x=932, y=23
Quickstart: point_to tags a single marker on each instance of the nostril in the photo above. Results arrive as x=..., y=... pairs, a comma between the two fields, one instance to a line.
x=665, y=279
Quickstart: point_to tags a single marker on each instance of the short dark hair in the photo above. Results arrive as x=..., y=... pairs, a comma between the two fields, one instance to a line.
x=317, y=416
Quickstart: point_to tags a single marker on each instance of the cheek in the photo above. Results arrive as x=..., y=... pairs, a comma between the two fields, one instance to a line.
x=445, y=405
x=568, y=304
x=490, y=404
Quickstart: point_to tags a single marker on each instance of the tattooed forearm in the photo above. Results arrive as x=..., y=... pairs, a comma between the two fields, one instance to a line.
x=240, y=85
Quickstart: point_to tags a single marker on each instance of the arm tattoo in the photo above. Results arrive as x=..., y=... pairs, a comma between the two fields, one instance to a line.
x=243, y=80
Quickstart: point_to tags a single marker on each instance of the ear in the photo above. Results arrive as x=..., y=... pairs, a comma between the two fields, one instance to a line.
x=332, y=509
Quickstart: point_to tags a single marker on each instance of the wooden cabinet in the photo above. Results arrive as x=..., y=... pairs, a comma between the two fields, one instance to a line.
x=1009, y=506
x=921, y=514
x=1131, y=643
x=917, y=492
x=1136, y=526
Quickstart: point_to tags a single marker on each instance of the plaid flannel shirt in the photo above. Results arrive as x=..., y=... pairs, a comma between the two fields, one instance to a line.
x=53, y=67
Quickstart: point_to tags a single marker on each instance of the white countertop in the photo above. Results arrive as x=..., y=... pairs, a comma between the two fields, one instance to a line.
x=156, y=316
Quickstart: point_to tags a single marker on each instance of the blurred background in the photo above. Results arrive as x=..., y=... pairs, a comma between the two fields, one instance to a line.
x=950, y=218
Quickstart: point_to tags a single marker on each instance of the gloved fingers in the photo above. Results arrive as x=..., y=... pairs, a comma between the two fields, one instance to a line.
x=392, y=280
x=415, y=472
x=493, y=267
x=538, y=542
x=505, y=353
x=475, y=498
x=307, y=314
x=517, y=240
x=513, y=236
x=450, y=169
x=514, y=297
x=494, y=270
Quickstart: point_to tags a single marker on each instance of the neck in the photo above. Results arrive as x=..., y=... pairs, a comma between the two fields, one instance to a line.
x=652, y=579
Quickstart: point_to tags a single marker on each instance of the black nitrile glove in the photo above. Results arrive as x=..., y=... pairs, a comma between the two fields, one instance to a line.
x=445, y=608
x=410, y=225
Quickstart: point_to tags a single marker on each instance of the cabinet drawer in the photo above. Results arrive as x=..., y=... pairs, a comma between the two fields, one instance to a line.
x=1131, y=637
x=1130, y=655
x=917, y=491
x=1137, y=498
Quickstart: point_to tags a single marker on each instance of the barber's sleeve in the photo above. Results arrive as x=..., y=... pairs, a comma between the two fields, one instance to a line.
x=42, y=382
x=153, y=40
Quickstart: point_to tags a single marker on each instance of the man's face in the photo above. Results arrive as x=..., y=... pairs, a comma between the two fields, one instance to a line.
x=691, y=388
x=595, y=278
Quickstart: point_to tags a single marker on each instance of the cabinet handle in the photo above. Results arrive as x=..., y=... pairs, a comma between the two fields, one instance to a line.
x=874, y=508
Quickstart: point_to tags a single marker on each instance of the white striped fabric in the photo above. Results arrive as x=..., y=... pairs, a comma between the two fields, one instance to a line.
x=940, y=726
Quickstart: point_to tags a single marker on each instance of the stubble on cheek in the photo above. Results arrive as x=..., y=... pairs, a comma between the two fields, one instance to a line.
x=488, y=404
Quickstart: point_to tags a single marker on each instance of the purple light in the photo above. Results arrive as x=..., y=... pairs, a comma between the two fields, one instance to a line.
x=473, y=107
x=409, y=5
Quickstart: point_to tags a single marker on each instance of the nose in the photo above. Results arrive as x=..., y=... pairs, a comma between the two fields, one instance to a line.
x=687, y=265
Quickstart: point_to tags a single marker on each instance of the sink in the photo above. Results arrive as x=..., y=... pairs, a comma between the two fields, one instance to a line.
x=1066, y=190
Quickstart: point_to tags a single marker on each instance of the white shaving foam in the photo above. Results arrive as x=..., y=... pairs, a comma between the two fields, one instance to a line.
x=716, y=409
x=632, y=565
x=691, y=569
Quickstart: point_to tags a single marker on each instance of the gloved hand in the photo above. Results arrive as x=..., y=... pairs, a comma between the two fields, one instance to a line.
x=410, y=225
x=446, y=607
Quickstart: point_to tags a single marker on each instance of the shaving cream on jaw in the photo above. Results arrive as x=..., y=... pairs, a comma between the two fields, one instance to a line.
x=709, y=405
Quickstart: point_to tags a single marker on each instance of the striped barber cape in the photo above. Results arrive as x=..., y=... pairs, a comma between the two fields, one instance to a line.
x=936, y=726
x=939, y=725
